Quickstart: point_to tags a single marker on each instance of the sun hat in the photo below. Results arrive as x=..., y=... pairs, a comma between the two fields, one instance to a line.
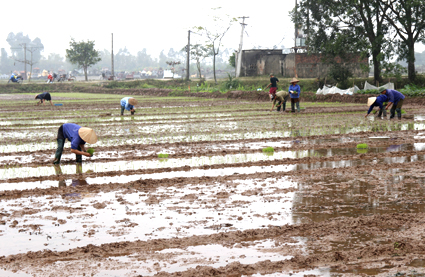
x=271, y=74
x=370, y=101
x=381, y=89
x=132, y=101
x=88, y=135
x=294, y=80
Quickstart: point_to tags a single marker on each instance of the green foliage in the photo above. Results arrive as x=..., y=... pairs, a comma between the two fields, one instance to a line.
x=393, y=70
x=232, y=60
x=268, y=150
x=160, y=155
x=90, y=151
x=231, y=83
x=340, y=74
x=362, y=146
x=413, y=90
x=368, y=91
x=82, y=54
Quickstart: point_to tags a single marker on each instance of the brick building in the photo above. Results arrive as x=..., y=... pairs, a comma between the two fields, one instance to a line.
x=257, y=62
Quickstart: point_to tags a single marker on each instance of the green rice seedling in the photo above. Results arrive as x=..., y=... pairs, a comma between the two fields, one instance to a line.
x=90, y=151
x=161, y=156
x=362, y=146
x=268, y=150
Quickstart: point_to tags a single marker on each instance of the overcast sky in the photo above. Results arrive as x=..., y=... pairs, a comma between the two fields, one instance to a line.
x=154, y=25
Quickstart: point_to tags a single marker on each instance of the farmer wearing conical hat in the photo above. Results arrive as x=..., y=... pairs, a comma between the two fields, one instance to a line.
x=78, y=136
x=43, y=97
x=273, y=86
x=377, y=102
x=294, y=92
x=395, y=98
x=128, y=103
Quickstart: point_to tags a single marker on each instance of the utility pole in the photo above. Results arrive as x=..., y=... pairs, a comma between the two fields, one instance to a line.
x=295, y=48
x=112, y=57
x=25, y=61
x=239, y=65
x=187, y=55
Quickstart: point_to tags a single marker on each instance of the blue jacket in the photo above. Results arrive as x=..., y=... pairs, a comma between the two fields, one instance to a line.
x=296, y=88
x=70, y=131
x=394, y=96
x=125, y=104
x=380, y=100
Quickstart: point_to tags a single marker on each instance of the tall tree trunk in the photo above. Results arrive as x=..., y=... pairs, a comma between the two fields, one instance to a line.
x=376, y=67
x=214, y=54
x=198, y=64
x=85, y=72
x=411, y=60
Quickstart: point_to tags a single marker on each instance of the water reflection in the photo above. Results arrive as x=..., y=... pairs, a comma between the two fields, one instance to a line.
x=79, y=180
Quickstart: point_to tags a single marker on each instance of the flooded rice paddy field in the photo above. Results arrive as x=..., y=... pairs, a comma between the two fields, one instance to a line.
x=217, y=205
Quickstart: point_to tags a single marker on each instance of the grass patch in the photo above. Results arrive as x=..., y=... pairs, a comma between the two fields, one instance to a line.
x=268, y=150
x=362, y=146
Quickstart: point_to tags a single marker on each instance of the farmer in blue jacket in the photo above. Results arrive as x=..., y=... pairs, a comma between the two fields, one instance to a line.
x=395, y=98
x=377, y=102
x=294, y=92
x=128, y=103
x=78, y=136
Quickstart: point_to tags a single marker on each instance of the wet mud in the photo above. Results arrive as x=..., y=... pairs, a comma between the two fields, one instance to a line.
x=217, y=205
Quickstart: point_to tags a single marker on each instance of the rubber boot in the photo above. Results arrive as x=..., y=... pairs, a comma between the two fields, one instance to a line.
x=398, y=113
x=298, y=106
x=292, y=107
x=278, y=107
x=59, y=150
x=392, y=113
x=122, y=110
x=79, y=158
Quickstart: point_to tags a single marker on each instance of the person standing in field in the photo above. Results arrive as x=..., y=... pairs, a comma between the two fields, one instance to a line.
x=377, y=102
x=395, y=99
x=78, y=136
x=281, y=98
x=43, y=97
x=273, y=86
x=128, y=103
x=294, y=92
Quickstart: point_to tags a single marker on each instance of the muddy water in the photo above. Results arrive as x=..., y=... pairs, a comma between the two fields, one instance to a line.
x=60, y=223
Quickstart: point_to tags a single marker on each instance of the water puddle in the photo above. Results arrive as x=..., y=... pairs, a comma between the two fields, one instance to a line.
x=72, y=220
x=8, y=172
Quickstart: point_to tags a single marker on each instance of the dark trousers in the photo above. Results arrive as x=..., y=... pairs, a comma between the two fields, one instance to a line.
x=382, y=111
x=61, y=144
x=396, y=108
x=295, y=102
x=283, y=104
x=122, y=110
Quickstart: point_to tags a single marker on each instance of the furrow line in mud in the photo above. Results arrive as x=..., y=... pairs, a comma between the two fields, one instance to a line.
x=153, y=184
x=318, y=232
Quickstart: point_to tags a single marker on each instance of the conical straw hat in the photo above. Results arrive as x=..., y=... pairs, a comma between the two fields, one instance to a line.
x=132, y=101
x=370, y=101
x=294, y=80
x=88, y=135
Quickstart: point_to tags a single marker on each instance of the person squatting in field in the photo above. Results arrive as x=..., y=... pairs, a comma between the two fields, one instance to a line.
x=377, y=102
x=281, y=97
x=78, y=136
x=294, y=92
x=43, y=97
x=128, y=103
x=395, y=98
x=273, y=86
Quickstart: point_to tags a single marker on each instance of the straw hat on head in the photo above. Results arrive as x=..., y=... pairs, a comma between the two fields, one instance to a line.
x=88, y=135
x=294, y=80
x=370, y=101
x=132, y=101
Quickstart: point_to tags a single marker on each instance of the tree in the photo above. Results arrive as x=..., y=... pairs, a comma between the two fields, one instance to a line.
x=82, y=54
x=198, y=53
x=232, y=60
x=5, y=62
x=215, y=34
x=407, y=17
x=336, y=28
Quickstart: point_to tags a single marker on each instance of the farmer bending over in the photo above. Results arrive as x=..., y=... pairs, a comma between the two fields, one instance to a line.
x=128, y=103
x=43, y=97
x=78, y=136
x=281, y=97
x=377, y=102
x=395, y=98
